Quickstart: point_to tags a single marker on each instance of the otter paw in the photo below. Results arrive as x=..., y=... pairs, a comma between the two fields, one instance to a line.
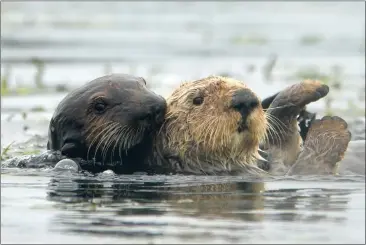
x=325, y=145
x=332, y=133
x=309, y=91
x=301, y=94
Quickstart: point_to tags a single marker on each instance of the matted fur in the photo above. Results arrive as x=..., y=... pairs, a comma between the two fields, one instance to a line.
x=208, y=133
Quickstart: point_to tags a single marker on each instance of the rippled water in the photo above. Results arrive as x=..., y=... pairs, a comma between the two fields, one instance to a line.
x=168, y=43
x=164, y=209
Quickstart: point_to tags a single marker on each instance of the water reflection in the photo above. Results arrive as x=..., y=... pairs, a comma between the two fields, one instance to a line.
x=215, y=200
x=148, y=207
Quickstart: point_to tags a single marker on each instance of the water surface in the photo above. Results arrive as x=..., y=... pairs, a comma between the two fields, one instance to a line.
x=167, y=43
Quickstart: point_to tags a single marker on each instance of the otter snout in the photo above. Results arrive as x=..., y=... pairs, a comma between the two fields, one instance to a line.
x=244, y=101
x=154, y=113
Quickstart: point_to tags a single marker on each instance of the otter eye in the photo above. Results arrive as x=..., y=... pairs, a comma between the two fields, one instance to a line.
x=198, y=100
x=99, y=107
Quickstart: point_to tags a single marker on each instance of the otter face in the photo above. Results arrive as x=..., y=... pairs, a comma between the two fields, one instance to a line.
x=217, y=116
x=109, y=116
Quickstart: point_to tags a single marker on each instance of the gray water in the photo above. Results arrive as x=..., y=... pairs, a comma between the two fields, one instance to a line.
x=168, y=42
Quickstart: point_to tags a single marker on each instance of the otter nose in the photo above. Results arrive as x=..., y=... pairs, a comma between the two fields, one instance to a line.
x=244, y=101
x=155, y=113
x=159, y=112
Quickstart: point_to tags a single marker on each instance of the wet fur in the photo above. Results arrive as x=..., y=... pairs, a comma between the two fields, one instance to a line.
x=117, y=134
x=198, y=139
x=204, y=139
x=321, y=143
x=326, y=143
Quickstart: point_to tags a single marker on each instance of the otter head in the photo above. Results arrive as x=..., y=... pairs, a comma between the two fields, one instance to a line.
x=106, y=119
x=216, y=119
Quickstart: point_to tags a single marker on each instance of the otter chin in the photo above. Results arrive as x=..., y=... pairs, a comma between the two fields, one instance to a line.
x=213, y=125
x=110, y=119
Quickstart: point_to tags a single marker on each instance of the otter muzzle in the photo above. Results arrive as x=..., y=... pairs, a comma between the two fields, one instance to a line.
x=244, y=101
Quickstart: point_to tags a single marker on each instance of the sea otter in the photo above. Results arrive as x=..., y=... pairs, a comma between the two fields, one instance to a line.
x=216, y=125
x=109, y=119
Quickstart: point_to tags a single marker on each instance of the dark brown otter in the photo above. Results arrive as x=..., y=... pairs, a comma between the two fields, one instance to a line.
x=110, y=119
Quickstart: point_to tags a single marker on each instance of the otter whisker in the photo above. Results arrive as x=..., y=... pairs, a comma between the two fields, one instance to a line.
x=127, y=139
x=94, y=129
x=281, y=125
x=132, y=136
x=276, y=119
x=109, y=141
x=277, y=123
x=97, y=137
x=116, y=141
x=101, y=141
x=105, y=141
x=120, y=144
x=272, y=133
x=273, y=123
x=128, y=134
x=121, y=141
x=123, y=136
x=278, y=107
x=276, y=136
x=259, y=149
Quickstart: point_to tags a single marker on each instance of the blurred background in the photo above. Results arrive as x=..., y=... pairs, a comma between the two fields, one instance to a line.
x=49, y=48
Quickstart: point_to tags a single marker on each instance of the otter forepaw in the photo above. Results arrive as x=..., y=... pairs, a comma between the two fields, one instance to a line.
x=300, y=94
x=325, y=145
x=313, y=90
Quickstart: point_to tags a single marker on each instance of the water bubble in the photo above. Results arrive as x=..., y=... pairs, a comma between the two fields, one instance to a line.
x=108, y=172
x=67, y=164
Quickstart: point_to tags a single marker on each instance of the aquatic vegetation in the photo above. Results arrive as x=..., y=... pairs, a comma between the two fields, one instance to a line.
x=4, y=152
x=61, y=88
x=250, y=40
x=336, y=75
x=4, y=86
x=31, y=152
x=312, y=39
x=38, y=109
x=5, y=90
x=5, y=81
x=311, y=73
x=34, y=145
x=334, y=78
x=269, y=66
x=38, y=78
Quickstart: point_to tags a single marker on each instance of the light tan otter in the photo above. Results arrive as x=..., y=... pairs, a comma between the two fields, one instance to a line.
x=216, y=125
x=212, y=126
